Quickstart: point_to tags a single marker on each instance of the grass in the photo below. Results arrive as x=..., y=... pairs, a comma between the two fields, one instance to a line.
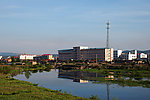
x=13, y=89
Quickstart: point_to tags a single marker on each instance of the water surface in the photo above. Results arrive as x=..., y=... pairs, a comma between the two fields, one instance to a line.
x=85, y=84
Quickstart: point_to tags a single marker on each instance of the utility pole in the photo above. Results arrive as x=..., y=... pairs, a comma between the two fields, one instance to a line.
x=96, y=58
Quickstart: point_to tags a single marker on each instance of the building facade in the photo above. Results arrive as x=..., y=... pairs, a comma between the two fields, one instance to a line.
x=142, y=56
x=117, y=54
x=44, y=57
x=1, y=57
x=129, y=55
x=26, y=56
x=85, y=53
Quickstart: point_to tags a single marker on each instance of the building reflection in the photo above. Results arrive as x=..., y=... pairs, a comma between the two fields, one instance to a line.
x=78, y=76
x=80, y=81
x=85, y=77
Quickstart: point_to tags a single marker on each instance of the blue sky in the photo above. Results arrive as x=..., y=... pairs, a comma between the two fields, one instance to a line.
x=44, y=26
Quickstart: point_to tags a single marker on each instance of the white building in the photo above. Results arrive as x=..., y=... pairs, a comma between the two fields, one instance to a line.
x=85, y=53
x=117, y=54
x=129, y=55
x=44, y=57
x=26, y=56
x=132, y=55
x=142, y=55
x=1, y=57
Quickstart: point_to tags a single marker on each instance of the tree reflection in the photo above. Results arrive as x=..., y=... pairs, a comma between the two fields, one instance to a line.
x=27, y=74
x=48, y=69
x=34, y=71
x=41, y=70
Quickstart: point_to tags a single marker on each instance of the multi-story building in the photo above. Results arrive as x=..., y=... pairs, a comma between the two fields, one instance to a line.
x=85, y=53
x=26, y=56
x=117, y=54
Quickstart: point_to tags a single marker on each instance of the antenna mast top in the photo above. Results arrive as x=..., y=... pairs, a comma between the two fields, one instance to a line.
x=108, y=27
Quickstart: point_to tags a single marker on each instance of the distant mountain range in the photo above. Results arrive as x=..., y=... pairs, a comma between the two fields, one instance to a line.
x=8, y=54
x=146, y=51
x=15, y=54
x=139, y=51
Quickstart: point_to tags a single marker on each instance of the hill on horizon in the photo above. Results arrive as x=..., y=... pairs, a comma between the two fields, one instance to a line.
x=8, y=54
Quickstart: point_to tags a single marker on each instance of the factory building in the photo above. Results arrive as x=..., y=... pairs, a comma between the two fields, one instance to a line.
x=85, y=53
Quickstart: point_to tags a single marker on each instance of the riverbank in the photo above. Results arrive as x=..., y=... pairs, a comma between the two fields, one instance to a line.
x=13, y=89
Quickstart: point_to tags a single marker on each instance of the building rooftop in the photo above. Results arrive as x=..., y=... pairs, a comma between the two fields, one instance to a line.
x=46, y=54
x=86, y=48
x=65, y=50
x=27, y=54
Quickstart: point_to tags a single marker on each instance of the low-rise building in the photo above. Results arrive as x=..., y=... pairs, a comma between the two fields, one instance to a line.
x=44, y=57
x=1, y=57
x=117, y=54
x=26, y=56
x=33, y=62
x=85, y=53
x=8, y=60
x=142, y=56
x=131, y=55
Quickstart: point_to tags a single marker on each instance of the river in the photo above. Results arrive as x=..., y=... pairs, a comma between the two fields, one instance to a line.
x=85, y=84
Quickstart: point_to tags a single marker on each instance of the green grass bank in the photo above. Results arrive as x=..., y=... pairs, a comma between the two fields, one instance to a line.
x=13, y=89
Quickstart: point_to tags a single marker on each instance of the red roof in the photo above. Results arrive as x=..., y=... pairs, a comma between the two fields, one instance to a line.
x=16, y=57
x=138, y=53
x=46, y=54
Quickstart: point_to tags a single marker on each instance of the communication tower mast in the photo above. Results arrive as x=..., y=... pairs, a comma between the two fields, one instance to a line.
x=108, y=27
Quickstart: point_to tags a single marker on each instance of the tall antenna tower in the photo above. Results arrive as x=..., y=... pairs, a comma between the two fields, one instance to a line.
x=108, y=27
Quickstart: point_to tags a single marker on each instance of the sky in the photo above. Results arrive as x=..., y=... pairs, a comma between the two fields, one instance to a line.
x=45, y=26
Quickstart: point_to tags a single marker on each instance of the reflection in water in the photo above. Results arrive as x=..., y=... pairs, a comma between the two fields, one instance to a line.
x=34, y=71
x=27, y=74
x=98, y=78
x=78, y=76
x=107, y=91
x=109, y=77
x=105, y=85
x=80, y=81
x=83, y=77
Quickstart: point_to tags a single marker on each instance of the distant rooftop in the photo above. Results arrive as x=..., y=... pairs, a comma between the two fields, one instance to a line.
x=65, y=50
x=97, y=48
x=46, y=54
x=81, y=48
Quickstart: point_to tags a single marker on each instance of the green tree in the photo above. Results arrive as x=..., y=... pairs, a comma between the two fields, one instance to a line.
x=12, y=58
